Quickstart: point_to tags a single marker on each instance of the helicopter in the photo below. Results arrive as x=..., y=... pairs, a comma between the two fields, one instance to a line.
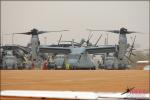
x=35, y=43
x=13, y=56
x=120, y=59
x=79, y=57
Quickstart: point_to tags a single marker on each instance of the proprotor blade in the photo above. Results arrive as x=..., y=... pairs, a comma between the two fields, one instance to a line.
x=40, y=32
x=129, y=32
x=26, y=33
x=36, y=32
x=113, y=31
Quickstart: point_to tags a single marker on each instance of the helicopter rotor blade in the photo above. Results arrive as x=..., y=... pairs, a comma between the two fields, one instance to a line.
x=132, y=48
x=79, y=58
x=26, y=33
x=98, y=40
x=116, y=31
x=89, y=38
x=40, y=32
x=59, y=39
x=129, y=32
x=112, y=31
x=129, y=59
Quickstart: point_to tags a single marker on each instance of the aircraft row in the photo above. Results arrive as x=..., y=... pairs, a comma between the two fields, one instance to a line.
x=68, y=56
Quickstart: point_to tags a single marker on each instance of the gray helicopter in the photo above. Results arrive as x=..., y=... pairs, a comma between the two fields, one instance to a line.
x=35, y=43
x=77, y=57
x=9, y=60
x=13, y=57
x=59, y=61
x=80, y=57
x=120, y=60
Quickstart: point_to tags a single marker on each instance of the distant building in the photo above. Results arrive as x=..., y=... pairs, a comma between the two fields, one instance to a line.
x=140, y=65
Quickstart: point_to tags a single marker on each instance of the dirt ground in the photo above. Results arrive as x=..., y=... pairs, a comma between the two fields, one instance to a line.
x=75, y=80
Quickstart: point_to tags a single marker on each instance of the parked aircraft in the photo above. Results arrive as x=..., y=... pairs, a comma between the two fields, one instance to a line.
x=9, y=60
x=13, y=56
x=80, y=56
x=35, y=43
x=120, y=57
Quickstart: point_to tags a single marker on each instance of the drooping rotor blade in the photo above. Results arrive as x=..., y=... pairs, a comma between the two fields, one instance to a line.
x=129, y=59
x=132, y=48
x=90, y=37
x=88, y=40
x=132, y=54
x=129, y=32
x=33, y=31
x=112, y=31
x=98, y=40
x=36, y=32
x=59, y=39
x=133, y=42
x=122, y=30
x=40, y=32
x=26, y=33
x=79, y=58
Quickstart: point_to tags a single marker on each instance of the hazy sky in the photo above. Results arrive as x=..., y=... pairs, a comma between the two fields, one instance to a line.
x=76, y=16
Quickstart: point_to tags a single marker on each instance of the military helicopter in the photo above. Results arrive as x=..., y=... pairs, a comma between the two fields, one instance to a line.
x=9, y=60
x=13, y=56
x=60, y=59
x=79, y=57
x=35, y=43
x=122, y=49
x=75, y=56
